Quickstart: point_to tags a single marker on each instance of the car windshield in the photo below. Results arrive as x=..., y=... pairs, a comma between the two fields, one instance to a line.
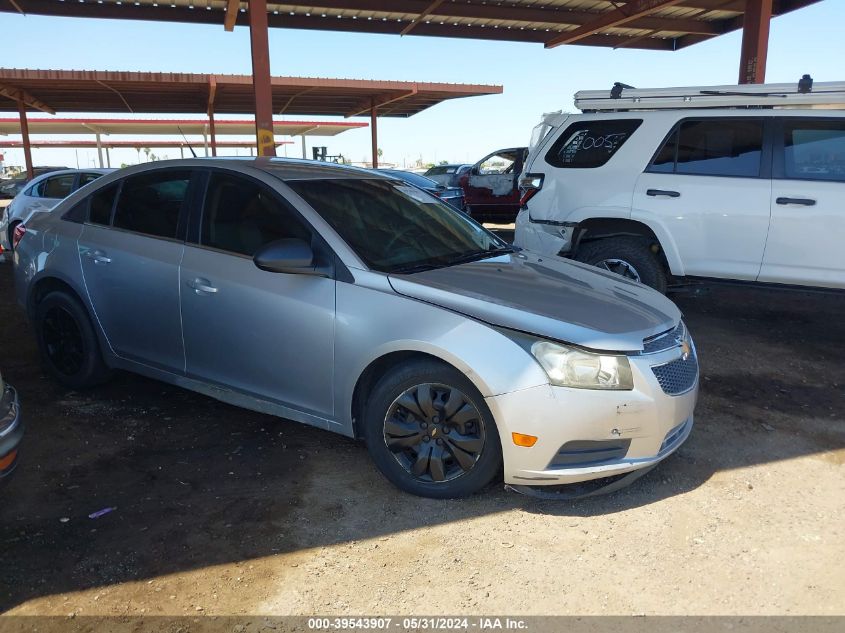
x=396, y=228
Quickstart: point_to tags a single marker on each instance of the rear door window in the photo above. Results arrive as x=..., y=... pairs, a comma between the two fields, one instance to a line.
x=55, y=187
x=101, y=205
x=814, y=149
x=151, y=203
x=241, y=216
x=713, y=147
x=588, y=144
x=84, y=179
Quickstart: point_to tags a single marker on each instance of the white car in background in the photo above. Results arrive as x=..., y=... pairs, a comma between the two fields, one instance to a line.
x=42, y=193
x=692, y=182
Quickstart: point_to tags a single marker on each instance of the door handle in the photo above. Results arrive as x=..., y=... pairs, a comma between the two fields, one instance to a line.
x=663, y=192
x=99, y=257
x=202, y=285
x=807, y=202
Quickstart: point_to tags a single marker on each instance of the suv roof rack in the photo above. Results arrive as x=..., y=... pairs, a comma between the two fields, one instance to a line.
x=805, y=93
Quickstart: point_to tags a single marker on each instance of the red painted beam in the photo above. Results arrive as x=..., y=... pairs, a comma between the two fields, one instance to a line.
x=261, y=81
x=755, y=41
x=374, y=131
x=27, y=151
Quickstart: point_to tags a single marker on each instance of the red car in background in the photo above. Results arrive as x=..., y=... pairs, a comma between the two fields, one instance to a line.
x=491, y=186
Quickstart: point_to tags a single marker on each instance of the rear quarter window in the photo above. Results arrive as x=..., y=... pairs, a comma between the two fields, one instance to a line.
x=590, y=144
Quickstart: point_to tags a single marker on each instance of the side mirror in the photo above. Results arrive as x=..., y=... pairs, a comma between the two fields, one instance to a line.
x=286, y=256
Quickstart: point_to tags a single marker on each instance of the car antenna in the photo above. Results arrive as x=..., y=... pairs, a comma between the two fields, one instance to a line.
x=193, y=153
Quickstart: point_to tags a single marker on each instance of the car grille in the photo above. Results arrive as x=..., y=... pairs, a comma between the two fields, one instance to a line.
x=665, y=341
x=678, y=376
x=580, y=453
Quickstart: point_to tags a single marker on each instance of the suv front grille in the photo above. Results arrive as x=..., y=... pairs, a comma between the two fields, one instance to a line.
x=665, y=341
x=677, y=376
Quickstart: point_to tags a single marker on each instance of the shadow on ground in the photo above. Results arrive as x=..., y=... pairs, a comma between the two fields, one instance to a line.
x=196, y=483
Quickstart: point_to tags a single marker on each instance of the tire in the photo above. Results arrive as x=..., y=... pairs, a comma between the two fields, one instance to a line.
x=631, y=253
x=68, y=343
x=424, y=441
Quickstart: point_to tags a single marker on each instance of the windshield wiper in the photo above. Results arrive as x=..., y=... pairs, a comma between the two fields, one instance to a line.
x=416, y=268
x=477, y=255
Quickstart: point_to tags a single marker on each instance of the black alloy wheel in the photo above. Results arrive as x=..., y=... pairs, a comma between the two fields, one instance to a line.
x=64, y=345
x=435, y=432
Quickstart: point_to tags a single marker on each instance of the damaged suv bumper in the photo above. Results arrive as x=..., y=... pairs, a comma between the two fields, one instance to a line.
x=546, y=237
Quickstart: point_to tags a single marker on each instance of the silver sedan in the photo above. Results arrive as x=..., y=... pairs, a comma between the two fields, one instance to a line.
x=343, y=299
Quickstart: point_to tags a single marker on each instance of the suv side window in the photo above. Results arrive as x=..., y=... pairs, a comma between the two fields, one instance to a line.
x=241, y=216
x=151, y=203
x=713, y=147
x=814, y=149
x=587, y=144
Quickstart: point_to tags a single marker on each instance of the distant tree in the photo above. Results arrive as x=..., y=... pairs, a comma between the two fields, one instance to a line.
x=444, y=162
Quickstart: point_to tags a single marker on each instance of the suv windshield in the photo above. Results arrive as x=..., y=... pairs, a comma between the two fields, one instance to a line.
x=396, y=228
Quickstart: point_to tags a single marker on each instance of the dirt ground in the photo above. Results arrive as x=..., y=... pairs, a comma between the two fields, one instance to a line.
x=223, y=511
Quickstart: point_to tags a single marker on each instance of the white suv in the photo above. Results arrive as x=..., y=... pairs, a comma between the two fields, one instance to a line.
x=754, y=194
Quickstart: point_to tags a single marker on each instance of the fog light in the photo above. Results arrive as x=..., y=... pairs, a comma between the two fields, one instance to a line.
x=524, y=440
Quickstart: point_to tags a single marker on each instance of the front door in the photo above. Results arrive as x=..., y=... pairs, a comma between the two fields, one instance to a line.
x=267, y=334
x=708, y=187
x=805, y=244
x=130, y=250
x=491, y=188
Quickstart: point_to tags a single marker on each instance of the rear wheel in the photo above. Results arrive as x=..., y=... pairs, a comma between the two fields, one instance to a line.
x=68, y=344
x=630, y=257
x=430, y=433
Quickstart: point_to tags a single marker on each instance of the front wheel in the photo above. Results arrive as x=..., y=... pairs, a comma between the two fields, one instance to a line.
x=430, y=433
x=630, y=257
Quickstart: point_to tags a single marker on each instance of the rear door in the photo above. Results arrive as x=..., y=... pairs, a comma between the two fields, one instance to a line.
x=263, y=333
x=130, y=248
x=708, y=187
x=805, y=244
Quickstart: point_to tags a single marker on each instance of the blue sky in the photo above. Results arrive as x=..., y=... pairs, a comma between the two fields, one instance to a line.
x=535, y=80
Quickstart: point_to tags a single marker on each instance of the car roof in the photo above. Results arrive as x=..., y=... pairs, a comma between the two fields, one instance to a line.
x=281, y=168
x=61, y=172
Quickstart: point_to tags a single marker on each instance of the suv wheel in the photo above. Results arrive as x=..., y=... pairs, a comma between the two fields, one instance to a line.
x=67, y=342
x=430, y=433
x=630, y=257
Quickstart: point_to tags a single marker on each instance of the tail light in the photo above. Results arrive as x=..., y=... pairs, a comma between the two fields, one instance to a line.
x=529, y=185
x=18, y=233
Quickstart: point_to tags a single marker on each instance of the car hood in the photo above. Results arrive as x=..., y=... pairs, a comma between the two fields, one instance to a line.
x=547, y=296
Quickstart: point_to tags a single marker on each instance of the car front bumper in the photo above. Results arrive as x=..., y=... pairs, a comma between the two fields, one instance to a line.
x=588, y=434
x=11, y=431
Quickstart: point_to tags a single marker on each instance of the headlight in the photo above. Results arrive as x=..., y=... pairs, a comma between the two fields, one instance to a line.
x=569, y=367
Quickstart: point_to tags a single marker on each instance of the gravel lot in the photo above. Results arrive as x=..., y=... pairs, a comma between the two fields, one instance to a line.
x=224, y=511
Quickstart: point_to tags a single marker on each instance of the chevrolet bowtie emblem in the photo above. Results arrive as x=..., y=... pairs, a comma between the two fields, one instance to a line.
x=685, y=350
x=433, y=432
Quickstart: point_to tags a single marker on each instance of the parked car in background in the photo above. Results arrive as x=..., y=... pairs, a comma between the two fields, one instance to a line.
x=10, y=187
x=11, y=429
x=491, y=186
x=41, y=194
x=450, y=195
x=447, y=175
x=345, y=299
x=682, y=190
